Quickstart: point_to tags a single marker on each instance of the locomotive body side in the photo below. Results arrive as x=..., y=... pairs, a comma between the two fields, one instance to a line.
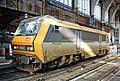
x=64, y=39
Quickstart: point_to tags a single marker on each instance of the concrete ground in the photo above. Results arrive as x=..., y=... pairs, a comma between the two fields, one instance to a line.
x=4, y=61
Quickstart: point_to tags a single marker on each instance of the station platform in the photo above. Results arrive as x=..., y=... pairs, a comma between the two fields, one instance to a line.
x=4, y=63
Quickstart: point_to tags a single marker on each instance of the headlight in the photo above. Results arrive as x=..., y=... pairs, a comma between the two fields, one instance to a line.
x=23, y=47
x=15, y=47
x=29, y=48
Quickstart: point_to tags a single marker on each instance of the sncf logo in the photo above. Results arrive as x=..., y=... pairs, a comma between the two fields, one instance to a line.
x=27, y=39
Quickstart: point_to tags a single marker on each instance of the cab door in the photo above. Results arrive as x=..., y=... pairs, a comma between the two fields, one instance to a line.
x=57, y=42
x=52, y=43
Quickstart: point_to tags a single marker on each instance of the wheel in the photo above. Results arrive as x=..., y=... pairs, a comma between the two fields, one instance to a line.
x=30, y=67
x=62, y=61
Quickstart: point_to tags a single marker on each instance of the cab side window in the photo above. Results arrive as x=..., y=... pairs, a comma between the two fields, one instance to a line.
x=56, y=28
x=53, y=34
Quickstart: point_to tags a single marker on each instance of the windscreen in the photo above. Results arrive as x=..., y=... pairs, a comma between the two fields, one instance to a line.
x=28, y=27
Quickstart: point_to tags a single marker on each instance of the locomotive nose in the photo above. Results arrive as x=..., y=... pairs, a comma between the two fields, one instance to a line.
x=23, y=40
x=23, y=45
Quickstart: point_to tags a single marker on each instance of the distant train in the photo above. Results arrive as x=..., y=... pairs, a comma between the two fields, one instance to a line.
x=50, y=42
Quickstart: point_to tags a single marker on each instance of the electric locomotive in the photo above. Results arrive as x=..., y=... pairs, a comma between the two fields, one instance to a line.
x=50, y=42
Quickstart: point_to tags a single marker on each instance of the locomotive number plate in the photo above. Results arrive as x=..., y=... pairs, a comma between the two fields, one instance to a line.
x=25, y=60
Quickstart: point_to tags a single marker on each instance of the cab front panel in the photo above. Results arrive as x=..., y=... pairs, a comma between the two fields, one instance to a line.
x=22, y=44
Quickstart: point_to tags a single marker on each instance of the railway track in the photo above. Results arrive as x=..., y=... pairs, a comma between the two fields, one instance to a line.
x=100, y=73
x=11, y=73
x=70, y=72
x=78, y=71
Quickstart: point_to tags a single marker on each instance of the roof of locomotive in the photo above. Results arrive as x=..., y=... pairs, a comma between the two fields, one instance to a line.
x=39, y=18
x=54, y=21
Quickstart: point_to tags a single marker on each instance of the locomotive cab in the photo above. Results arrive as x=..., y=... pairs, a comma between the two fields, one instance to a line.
x=24, y=42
